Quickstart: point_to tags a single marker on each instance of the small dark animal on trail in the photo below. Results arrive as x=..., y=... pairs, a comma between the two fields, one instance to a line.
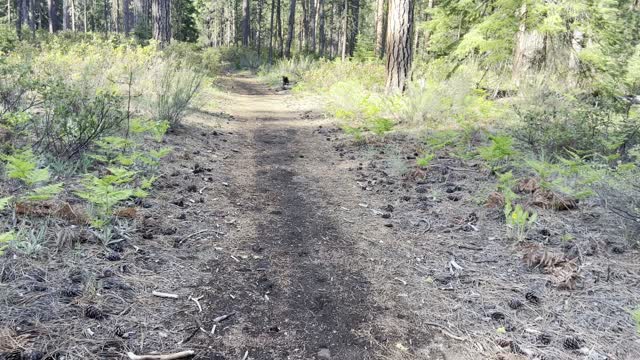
x=285, y=82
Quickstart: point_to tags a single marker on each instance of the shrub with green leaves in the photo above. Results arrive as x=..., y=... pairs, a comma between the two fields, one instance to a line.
x=74, y=118
x=175, y=87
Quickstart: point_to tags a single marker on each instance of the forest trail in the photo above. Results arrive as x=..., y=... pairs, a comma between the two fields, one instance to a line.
x=301, y=287
x=310, y=300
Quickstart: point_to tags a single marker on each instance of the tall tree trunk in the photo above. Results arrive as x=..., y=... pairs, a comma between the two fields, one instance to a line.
x=345, y=29
x=380, y=19
x=317, y=31
x=273, y=5
x=530, y=48
x=161, y=10
x=51, y=10
x=66, y=14
x=304, y=38
x=259, y=27
x=292, y=24
x=9, y=12
x=126, y=16
x=279, y=28
x=355, y=23
x=246, y=22
x=32, y=18
x=398, y=48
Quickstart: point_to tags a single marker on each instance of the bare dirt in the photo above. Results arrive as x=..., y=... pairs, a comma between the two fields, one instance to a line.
x=284, y=240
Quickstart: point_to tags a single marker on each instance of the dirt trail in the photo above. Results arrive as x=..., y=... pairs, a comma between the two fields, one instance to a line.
x=307, y=301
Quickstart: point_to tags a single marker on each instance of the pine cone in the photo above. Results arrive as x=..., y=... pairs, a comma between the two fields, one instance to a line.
x=13, y=355
x=119, y=331
x=572, y=343
x=71, y=291
x=34, y=355
x=515, y=304
x=544, y=339
x=515, y=348
x=532, y=298
x=504, y=343
x=93, y=312
x=114, y=256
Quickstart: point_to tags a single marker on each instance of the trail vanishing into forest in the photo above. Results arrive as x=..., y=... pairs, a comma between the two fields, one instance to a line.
x=307, y=293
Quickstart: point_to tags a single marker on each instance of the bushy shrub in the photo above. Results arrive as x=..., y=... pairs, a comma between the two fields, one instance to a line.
x=174, y=89
x=73, y=119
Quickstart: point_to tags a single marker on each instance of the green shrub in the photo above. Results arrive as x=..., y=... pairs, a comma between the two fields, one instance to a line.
x=175, y=89
x=73, y=118
x=499, y=152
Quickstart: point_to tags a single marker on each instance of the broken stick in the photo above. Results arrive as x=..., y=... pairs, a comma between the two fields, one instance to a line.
x=178, y=355
x=164, y=295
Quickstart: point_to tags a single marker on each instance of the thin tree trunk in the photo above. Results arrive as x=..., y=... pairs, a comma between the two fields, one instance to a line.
x=380, y=17
x=9, y=12
x=316, y=25
x=353, y=38
x=259, y=26
x=161, y=10
x=246, y=22
x=398, y=48
x=292, y=24
x=126, y=16
x=273, y=4
x=279, y=28
x=345, y=29
x=51, y=10
x=66, y=14
x=73, y=15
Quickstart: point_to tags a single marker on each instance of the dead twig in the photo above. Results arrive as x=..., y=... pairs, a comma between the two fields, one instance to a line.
x=178, y=355
x=192, y=235
x=164, y=295
x=196, y=300
x=223, y=317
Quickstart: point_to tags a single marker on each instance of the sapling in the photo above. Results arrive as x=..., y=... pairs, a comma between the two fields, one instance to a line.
x=519, y=221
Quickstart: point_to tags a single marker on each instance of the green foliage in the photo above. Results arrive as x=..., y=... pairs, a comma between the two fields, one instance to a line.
x=5, y=238
x=425, y=160
x=105, y=192
x=506, y=183
x=498, y=152
x=519, y=221
x=635, y=315
x=74, y=118
x=176, y=87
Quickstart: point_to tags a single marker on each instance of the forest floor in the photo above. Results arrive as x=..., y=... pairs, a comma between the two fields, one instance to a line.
x=284, y=240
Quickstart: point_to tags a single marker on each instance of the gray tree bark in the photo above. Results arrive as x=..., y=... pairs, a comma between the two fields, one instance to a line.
x=292, y=24
x=161, y=13
x=246, y=22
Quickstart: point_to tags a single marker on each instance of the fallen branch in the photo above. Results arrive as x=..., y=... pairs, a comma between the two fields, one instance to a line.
x=178, y=355
x=164, y=295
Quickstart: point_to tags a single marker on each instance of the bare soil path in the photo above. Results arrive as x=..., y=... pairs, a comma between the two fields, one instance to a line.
x=305, y=293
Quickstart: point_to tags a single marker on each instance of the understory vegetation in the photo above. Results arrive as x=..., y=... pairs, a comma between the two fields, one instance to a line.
x=82, y=122
x=563, y=111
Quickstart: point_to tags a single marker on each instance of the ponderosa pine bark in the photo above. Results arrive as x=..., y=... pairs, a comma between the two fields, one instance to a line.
x=161, y=14
x=292, y=24
x=279, y=28
x=399, y=52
